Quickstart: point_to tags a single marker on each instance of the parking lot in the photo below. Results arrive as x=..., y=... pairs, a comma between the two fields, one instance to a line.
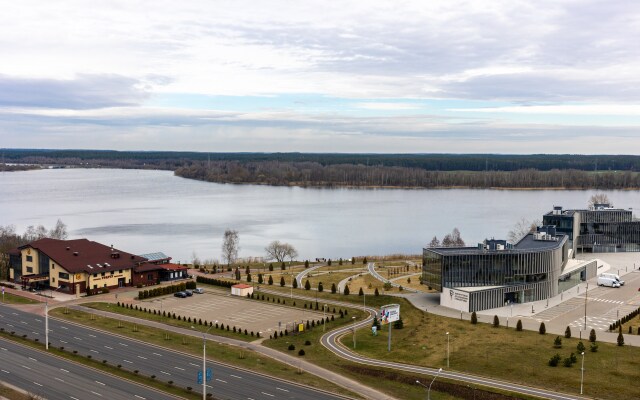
x=253, y=315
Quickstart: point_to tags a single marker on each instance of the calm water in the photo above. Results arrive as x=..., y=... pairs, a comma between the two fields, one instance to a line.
x=147, y=211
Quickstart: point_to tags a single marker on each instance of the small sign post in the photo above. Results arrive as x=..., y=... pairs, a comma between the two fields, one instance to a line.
x=388, y=314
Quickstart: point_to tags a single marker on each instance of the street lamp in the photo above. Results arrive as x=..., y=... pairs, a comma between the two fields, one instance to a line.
x=429, y=387
x=582, y=373
x=46, y=319
x=204, y=360
x=586, y=294
x=354, y=332
x=447, y=349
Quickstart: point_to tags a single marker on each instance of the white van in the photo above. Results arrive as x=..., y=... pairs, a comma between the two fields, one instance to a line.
x=610, y=282
x=613, y=276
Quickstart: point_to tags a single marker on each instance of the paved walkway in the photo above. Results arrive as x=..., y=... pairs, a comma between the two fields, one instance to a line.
x=375, y=274
x=346, y=280
x=304, y=273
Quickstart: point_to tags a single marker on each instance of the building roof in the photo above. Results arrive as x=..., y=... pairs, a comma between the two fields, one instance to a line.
x=157, y=256
x=241, y=286
x=149, y=266
x=82, y=255
x=526, y=244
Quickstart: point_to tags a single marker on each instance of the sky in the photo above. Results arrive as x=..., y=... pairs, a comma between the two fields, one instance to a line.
x=544, y=76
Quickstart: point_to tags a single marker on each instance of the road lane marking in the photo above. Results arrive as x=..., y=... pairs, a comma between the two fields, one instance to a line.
x=93, y=351
x=284, y=390
x=37, y=383
x=166, y=373
x=38, y=320
x=156, y=354
x=14, y=313
x=195, y=365
x=140, y=397
x=31, y=358
x=35, y=333
x=77, y=338
x=96, y=393
x=268, y=394
x=64, y=327
x=63, y=370
x=62, y=341
x=144, y=358
x=110, y=348
x=22, y=322
x=92, y=335
x=220, y=380
x=236, y=376
x=10, y=325
x=122, y=344
x=130, y=362
x=6, y=372
x=24, y=366
x=58, y=379
x=100, y=383
x=181, y=369
x=3, y=349
x=73, y=398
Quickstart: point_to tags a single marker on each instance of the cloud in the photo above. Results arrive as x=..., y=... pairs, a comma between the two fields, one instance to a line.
x=387, y=106
x=563, y=109
x=83, y=92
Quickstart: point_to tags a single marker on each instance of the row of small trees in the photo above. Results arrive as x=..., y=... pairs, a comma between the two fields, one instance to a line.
x=161, y=291
x=624, y=320
x=214, y=281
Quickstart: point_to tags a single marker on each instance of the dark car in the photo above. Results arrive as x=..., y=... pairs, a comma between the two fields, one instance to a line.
x=180, y=294
x=188, y=292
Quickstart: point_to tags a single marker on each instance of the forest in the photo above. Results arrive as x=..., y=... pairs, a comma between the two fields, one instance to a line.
x=362, y=170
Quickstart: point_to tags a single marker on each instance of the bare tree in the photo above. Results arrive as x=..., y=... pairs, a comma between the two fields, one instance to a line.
x=434, y=242
x=59, y=231
x=276, y=250
x=230, y=246
x=35, y=233
x=522, y=228
x=599, y=198
x=291, y=253
x=453, y=239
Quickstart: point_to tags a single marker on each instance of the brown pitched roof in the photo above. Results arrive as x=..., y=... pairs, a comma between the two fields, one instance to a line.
x=148, y=266
x=84, y=255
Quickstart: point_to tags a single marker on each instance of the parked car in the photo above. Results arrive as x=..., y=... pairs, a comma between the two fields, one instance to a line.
x=188, y=292
x=180, y=294
x=198, y=290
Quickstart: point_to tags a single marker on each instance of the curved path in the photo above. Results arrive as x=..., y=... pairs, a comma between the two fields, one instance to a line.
x=330, y=341
x=304, y=273
x=375, y=274
x=343, y=282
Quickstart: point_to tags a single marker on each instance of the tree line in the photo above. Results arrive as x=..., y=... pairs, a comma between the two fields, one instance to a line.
x=349, y=175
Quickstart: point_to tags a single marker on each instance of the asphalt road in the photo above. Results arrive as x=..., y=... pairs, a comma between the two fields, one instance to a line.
x=58, y=379
x=166, y=365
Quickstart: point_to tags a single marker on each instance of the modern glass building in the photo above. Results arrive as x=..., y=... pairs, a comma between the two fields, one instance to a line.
x=495, y=273
x=602, y=229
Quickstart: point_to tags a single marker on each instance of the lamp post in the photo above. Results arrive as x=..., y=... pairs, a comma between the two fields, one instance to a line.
x=354, y=332
x=582, y=373
x=46, y=320
x=586, y=294
x=429, y=387
x=204, y=360
x=447, y=350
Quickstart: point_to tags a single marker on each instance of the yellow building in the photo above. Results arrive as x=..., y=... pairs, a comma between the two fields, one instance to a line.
x=75, y=266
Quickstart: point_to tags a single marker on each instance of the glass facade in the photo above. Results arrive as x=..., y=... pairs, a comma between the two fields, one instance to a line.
x=523, y=274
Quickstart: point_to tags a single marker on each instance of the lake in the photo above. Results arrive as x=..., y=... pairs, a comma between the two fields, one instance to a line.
x=142, y=211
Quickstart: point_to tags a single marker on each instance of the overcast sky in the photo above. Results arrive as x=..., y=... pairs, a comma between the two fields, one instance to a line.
x=322, y=76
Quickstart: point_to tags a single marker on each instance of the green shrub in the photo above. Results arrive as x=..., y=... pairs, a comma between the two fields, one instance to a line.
x=474, y=317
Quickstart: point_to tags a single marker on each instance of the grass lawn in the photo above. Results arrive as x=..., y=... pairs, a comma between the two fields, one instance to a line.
x=11, y=394
x=504, y=353
x=193, y=345
x=15, y=299
x=634, y=323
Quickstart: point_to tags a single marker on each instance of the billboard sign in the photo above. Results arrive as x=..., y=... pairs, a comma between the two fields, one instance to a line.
x=389, y=313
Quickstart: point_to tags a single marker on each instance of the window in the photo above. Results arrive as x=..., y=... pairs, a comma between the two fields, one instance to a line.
x=102, y=274
x=29, y=258
x=112, y=272
x=30, y=269
x=105, y=285
x=150, y=277
x=53, y=266
x=63, y=275
x=53, y=279
x=95, y=286
x=120, y=271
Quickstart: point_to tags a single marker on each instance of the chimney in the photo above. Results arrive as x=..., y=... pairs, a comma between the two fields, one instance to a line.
x=75, y=253
x=68, y=248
